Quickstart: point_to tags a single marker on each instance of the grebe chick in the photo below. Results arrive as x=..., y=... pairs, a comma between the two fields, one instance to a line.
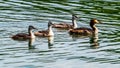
x=67, y=26
x=24, y=36
x=86, y=31
x=45, y=33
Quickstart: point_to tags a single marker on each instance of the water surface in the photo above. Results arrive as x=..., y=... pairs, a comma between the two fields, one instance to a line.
x=65, y=51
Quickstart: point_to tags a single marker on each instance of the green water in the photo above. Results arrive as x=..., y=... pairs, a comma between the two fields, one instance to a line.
x=65, y=51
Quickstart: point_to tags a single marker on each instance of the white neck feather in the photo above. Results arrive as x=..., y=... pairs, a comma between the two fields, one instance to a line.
x=74, y=24
x=50, y=31
x=32, y=34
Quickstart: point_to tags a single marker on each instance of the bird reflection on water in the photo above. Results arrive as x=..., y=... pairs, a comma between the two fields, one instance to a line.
x=93, y=39
x=50, y=42
x=30, y=44
x=49, y=39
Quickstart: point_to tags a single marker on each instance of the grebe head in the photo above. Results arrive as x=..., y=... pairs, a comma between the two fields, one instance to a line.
x=30, y=31
x=94, y=21
x=31, y=27
x=50, y=23
x=74, y=17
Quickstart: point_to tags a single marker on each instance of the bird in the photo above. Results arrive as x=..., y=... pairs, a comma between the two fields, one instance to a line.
x=86, y=31
x=65, y=25
x=45, y=33
x=25, y=36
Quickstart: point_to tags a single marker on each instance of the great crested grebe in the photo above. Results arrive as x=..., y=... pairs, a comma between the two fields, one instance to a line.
x=67, y=26
x=24, y=36
x=86, y=31
x=45, y=33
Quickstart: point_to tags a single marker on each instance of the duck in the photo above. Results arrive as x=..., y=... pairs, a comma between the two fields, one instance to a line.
x=65, y=25
x=24, y=36
x=45, y=33
x=86, y=31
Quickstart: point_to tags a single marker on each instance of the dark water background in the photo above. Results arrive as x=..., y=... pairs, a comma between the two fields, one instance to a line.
x=66, y=51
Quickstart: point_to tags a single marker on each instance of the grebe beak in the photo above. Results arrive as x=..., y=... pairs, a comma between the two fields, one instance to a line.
x=99, y=21
x=34, y=28
x=75, y=16
x=50, y=23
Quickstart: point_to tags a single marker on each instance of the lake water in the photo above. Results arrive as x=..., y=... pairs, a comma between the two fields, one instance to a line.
x=64, y=51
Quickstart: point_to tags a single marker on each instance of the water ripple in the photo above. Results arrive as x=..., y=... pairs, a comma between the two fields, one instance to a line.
x=15, y=16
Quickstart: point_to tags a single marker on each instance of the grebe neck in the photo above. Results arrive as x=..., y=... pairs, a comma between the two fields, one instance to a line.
x=74, y=22
x=94, y=28
x=31, y=34
x=50, y=31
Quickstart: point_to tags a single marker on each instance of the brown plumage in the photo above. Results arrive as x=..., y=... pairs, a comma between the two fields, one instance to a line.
x=24, y=36
x=21, y=36
x=45, y=33
x=65, y=25
x=86, y=31
x=81, y=31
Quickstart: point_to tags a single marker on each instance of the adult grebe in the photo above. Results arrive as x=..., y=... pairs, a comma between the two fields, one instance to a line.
x=67, y=26
x=23, y=36
x=45, y=33
x=86, y=31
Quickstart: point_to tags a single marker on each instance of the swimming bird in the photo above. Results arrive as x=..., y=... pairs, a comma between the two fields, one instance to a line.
x=86, y=31
x=46, y=33
x=65, y=25
x=24, y=36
